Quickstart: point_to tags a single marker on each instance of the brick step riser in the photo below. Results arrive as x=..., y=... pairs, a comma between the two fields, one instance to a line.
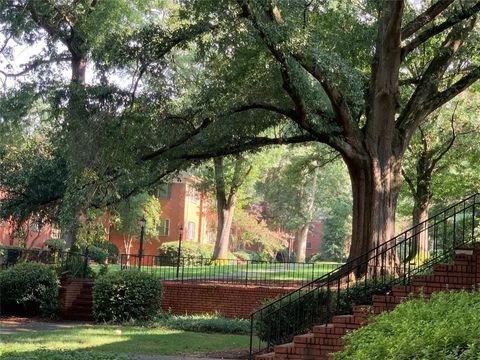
x=325, y=339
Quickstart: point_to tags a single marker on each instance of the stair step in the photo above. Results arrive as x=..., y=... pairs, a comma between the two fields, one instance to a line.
x=267, y=356
x=307, y=338
x=287, y=348
x=329, y=330
x=328, y=338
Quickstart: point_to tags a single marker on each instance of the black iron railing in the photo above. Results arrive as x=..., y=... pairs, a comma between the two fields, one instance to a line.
x=395, y=262
x=70, y=263
x=240, y=272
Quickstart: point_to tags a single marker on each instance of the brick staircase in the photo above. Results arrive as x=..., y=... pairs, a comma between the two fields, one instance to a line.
x=76, y=299
x=325, y=339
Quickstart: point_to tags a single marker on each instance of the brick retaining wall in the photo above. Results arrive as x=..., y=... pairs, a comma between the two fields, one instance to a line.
x=179, y=298
x=229, y=300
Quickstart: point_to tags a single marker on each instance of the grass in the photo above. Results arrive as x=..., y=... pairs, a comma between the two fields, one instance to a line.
x=204, y=323
x=252, y=272
x=121, y=340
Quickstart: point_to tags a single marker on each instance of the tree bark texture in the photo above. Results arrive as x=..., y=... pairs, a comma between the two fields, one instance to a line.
x=225, y=204
x=373, y=152
x=301, y=243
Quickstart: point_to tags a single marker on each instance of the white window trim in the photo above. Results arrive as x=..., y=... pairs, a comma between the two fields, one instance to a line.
x=168, y=227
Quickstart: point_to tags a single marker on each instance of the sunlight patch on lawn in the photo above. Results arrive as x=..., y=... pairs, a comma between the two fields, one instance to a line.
x=123, y=339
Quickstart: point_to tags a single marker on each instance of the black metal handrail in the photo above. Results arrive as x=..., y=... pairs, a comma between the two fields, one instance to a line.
x=70, y=263
x=230, y=271
x=412, y=252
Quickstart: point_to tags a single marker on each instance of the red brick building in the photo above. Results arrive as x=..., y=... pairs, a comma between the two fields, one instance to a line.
x=35, y=235
x=182, y=205
x=314, y=238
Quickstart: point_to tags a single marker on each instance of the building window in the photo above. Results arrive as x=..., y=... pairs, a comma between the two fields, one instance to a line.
x=165, y=191
x=193, y=194
x=164, y=227
x=191, y=230
x=55, y=233
x=36, y=226
x=309, y=245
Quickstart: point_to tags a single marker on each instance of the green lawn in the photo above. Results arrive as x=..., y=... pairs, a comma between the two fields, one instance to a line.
x=118, y=340
x=252, y=272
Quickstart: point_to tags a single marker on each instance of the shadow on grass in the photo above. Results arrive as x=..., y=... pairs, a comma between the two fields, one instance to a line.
x=104, y=344
x=61, y=355
x=175, y=344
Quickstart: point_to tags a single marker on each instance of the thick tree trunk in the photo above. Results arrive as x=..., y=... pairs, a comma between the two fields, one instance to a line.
x=78, y=68
x=225, y=218
x=420, y=215
x=375, y=192
x=225, y=209
x=301, y=243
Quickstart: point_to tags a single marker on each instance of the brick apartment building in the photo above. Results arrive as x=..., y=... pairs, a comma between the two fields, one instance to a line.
x=35, y=235
x=182, y=206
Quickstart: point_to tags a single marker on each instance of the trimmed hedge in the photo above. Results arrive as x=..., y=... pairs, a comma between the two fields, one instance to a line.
x=192, y=253
x=29, y=289
x=126, y=295
x=445, y=327
x=205, y=323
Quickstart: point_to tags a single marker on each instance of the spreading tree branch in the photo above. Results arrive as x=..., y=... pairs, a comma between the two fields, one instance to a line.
x=426, y=97
x=435, y=30
x=425, y=18
x=251, y=144
x=182, y=140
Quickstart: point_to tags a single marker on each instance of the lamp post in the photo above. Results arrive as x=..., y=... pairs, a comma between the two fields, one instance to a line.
x=180, y=233
x=142, y=222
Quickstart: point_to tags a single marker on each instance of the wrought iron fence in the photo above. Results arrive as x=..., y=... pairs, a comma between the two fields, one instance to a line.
x=241, y=272
x=70, y=263
x=394, y=262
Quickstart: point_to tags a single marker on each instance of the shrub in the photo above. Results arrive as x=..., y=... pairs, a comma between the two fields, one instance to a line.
x=315, y=306
x=29, y=289
x=247, y=255
x=279, y=321
x=205, y=323
x=101, y=251
x=444, y=327
x=192, y=253
x=361, y=294
x=126, y=295
x=74, y=266
x=55, y=244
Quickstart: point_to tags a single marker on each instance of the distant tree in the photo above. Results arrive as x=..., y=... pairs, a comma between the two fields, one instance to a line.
x=301, y=190
x=125, y=217
x=252, y=230
x=432, y=172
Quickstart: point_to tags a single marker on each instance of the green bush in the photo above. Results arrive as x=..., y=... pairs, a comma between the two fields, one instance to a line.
x=74, y=266
x=29, y=289
x=55, y=244
x=205, y=323
x=44, y=354
x=192, y=253
x=361, y=294
x=126, y=295
x=445, y=327
x=279, y=321
x=101, y=251
x=317, y=306
x=247, y=255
